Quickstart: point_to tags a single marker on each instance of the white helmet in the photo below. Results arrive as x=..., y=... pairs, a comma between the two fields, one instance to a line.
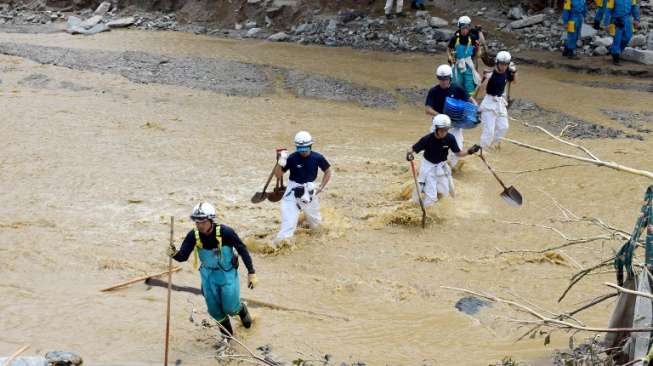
x=441, y=121
x=443, y=71
x=503, y=57
x=464, y=21
x=203, y=211
x=303, y=141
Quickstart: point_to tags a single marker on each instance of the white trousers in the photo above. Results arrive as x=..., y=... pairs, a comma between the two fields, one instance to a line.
x=388, y=6
x=458, y=134
x=494, y=117
x=290, y=209
x=433, y=179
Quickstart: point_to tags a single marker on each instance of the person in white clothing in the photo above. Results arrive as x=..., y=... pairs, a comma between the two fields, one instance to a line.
x=302, y=193
x=434, y=173
x=388, y=8
x=494, y=111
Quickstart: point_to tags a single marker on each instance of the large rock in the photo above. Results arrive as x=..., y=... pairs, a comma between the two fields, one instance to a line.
x=640, y=56
x=103, y=8
x=26, y=361
x=650, y=40
x=438, y=22
x=587, y=32
x=278, y=37
x=74, y=21
x=62, y=358
x=122, y=22
x=638, y=40
x=600, y=51
x=516, y=13
x=253, y=31
x=443, y=34
x=527, y=22
x=602, y=41
x=91, y=22
x=422, y=14
x=98, y=28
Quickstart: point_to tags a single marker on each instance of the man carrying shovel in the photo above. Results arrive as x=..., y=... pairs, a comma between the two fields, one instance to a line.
x=301, y=194
x=213, y=244
x=434, y=173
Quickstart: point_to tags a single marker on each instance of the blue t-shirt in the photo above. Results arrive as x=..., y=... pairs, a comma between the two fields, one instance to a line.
x=304, y=170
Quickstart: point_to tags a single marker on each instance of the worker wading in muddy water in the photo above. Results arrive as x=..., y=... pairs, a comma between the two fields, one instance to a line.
x=434, y=173
x=435, y=104
x=463, y=47
x=213, y=245
x=301, y=193
x=494, y=107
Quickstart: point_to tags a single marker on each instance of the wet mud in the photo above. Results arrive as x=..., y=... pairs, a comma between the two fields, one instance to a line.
x=641, y=122
x=555, y=122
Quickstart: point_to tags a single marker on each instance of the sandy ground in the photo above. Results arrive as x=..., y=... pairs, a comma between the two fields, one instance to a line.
x=93, y=164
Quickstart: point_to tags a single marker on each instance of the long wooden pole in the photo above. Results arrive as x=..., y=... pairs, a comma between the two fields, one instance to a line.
x=139, y=279
x=11, y=358
x=172, y=233
x=607, y=164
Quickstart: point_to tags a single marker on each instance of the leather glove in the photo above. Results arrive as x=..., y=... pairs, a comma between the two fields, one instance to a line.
x=597, y=24
x=282, y=158
x=474, y=149
x=252, y=281
x=512, y=67
x=171, y=251
x=410, y=156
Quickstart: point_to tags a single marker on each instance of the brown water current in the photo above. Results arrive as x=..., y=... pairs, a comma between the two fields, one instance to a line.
x=92, y=166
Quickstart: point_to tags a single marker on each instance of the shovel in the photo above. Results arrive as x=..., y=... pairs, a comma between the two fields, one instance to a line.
x=510, y=194
x=260, y=196
x=419, y=196
x=279, y=190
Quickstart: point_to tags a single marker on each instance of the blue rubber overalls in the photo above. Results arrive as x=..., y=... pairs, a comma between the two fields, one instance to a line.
x=573, y=13
x=619, y=15
x=463, y=69
x=220, y=281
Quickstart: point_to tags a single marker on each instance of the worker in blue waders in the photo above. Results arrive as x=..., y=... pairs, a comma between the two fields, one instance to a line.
x=573, y=14
x=622, y=17
x=462, y=48
x=214, y=244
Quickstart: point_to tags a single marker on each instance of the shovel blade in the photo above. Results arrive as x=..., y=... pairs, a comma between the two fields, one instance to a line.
x=512, y=196
x=277, y=194
x=258, y=197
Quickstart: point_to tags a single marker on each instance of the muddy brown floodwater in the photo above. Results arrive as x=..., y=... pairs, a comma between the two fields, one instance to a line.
x=96, y=156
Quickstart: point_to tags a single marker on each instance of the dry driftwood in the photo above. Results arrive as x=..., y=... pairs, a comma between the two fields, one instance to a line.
x=607, y=164
x=139, y=279
x=13, y=356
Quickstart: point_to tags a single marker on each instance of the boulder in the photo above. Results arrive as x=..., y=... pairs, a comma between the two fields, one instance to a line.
x=443, y=34
x=122, y=22
x=638, y=40
x=91, y=22
x=278, y=37
x=587, y=32
x=602, y=41
x=527, y=22
x=650, y=40
x=103, y=8
x=640, y=56
x=332, y=26
x=303, y=28
x=253, y=31
x=74, y=21
x=600, y=51
x=98, y=28
x=516, y=13
x=422, y=14
x=438, y=22
x=62, y=358
x=250, y=24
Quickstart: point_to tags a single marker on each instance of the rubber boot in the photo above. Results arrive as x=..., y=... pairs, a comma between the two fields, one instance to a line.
x=244, y=315
x=616, y=59
x=565, y=52
x=572, y=55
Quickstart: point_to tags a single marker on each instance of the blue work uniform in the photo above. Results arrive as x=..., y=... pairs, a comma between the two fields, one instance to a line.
x=619, y=16
x=573, y=13
x=464, y=47
x=218, y=268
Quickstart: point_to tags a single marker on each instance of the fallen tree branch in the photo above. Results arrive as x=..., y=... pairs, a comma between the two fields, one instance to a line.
x=589, y=153
x=13, y=356
x=628, y=291
x=537, y=169
x=607, y=164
